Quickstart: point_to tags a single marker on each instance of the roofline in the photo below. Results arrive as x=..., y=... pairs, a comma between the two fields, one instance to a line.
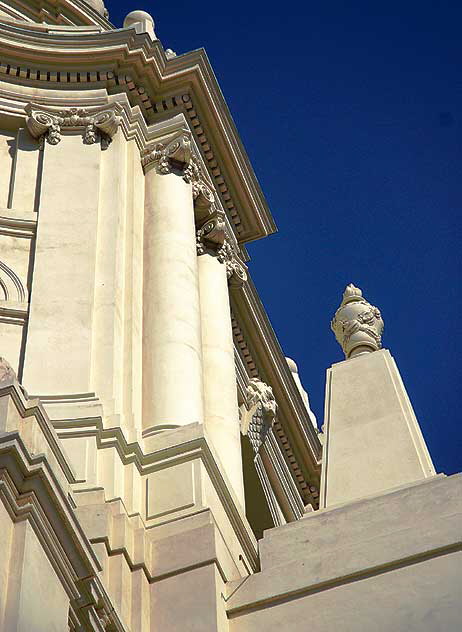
x=143, y=62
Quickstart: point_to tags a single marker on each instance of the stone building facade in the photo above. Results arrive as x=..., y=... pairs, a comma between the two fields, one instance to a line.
x=160, y=467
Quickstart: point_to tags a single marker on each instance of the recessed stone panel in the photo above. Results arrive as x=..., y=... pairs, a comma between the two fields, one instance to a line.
x=170, y=490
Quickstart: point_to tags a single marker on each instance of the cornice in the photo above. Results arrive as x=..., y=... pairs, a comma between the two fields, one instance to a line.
x=56, y=14
x=17, y=224
x=124, y=61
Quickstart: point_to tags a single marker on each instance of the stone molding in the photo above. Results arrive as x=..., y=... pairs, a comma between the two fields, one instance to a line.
x=17, y=224
x=35, y=480
x=167, y=451
x=185, y=83
x=47, y=125
x=212, y=238
x=357, y=324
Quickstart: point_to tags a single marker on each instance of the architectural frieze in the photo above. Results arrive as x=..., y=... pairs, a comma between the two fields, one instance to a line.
x=98, y=125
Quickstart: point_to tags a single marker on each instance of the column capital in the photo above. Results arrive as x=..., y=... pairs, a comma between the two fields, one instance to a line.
x=212, y=238
x=99, y=124
x=173, y=155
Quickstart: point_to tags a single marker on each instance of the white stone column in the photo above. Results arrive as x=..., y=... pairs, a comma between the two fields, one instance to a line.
x=172, y=367
x=220, y=392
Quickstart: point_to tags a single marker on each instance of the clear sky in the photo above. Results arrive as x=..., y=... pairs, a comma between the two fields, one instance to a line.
x=351, y=114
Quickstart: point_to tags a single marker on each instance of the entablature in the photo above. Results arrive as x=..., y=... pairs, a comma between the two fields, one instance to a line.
x=123, y=61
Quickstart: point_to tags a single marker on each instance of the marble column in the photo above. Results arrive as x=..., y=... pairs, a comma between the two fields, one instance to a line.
x=220, y=392
x=172, y=367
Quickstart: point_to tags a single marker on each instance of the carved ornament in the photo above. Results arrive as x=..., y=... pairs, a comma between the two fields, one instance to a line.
x=357, y=324
x=259, y=419
x=211, y=238
x=98, y=125
x=172, y=156
x=6, y=371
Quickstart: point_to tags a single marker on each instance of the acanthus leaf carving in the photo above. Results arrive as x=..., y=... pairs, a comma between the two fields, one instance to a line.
x=169, y=156
x=261, y=414
x=46, y=125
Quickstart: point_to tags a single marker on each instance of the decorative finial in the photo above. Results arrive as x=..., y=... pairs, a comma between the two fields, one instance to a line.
x=141, y=21
x=357, y=324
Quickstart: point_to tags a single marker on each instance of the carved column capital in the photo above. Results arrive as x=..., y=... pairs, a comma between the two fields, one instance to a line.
x=357, y=324
x=98, y=124
x=258, y=419
x=236, y=270
x=211, y=238
x=172, y=156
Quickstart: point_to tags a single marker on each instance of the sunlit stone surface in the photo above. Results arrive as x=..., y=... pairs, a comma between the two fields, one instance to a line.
x=160, y=465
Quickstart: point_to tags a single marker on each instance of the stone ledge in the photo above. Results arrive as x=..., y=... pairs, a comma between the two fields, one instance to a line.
x=370, y=548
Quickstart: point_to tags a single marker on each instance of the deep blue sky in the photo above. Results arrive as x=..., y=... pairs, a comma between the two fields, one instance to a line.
x=351, y=114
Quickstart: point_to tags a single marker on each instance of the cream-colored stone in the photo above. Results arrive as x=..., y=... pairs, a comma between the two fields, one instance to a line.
x=141, y=21
x=7, y=143
x=24, y=193
x=58, y=352
x=373, y=441
x=32, y=584
x=220, y=392
x=172, y=366
x=328, y=566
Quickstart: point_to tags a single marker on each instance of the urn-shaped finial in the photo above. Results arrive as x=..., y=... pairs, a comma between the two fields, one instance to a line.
x=357, y=324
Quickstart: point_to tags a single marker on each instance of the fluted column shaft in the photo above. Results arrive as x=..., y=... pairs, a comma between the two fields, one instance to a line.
x=172, y=368
x=220, y=392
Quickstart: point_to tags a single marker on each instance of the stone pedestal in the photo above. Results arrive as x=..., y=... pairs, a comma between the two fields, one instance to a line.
x=373, y=442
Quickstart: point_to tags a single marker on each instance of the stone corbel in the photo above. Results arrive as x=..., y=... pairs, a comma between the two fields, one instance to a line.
x=172, y=156
x=98, y=125
x=258, y=417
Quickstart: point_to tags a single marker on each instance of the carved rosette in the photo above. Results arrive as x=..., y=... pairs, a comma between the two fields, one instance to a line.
x=357, y=324
x=260, y=417
x=98, y=125
x=6, y=371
